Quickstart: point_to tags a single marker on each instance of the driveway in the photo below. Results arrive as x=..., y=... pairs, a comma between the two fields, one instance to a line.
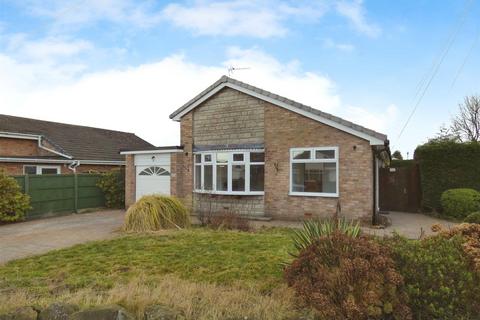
x=39, y=236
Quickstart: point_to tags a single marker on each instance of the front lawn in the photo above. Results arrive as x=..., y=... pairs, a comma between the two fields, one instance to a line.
x=219, y=267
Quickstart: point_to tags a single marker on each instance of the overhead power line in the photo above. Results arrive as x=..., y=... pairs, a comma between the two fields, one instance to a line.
x=467, y=57
x=426, y=81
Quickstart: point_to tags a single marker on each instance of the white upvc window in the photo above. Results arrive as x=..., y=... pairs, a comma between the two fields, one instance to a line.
x=238, y=172
x=33, y=169
x=314, y=172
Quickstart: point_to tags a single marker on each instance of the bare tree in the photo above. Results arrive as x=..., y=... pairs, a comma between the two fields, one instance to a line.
x=445, y=134
x=466, y=125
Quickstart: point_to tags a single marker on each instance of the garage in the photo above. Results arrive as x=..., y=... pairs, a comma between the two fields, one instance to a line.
x=152, y=174
x=151, y=171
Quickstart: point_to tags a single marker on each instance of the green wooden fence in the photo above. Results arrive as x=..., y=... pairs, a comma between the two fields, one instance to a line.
x=56, y=194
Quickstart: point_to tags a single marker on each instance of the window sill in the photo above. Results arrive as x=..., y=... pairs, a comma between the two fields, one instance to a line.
x=233, y=193
x=313, y=194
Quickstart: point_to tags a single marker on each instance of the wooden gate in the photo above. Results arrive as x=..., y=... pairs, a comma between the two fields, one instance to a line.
x=400, y=188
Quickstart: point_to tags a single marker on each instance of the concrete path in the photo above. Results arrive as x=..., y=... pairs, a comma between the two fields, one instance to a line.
x=39, y=236
x=410, y=225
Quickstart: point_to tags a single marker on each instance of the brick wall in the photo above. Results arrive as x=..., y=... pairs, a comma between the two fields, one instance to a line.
x=130, y=176
x=87, y=168
x=284, y=130
x=229, y=117
x=252, y=206
x=186, y=140
x=21, y=147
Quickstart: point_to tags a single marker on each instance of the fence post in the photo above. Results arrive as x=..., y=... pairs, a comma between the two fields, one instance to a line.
x=26, y=182
x=75, y=181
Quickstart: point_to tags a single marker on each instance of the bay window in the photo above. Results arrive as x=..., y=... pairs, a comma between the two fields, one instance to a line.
x=314, y=171
x=232, y=172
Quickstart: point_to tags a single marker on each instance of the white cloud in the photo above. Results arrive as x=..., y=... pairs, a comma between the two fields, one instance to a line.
x=50, y=48
x=226, y=18
x=379, y=121
x=331, y=44
x=140, y=98
x=83, y=12
x=355, y=12
x=252, y=18
x=262, y=18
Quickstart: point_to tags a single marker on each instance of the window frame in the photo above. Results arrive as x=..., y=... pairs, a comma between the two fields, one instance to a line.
x=230, y=163
x=39, y=168
x=313, y=160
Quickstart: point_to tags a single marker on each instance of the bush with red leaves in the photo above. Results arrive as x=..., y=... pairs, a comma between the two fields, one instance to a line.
x=349, y=278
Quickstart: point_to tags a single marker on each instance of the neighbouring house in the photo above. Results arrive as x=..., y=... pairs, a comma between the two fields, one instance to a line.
x=252, y=152
x=29, y=146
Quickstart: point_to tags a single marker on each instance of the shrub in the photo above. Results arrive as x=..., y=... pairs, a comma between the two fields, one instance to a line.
x=471, y=239
x=314, y=229
x=447, y=165
x=344, y=277
x=155, y=212
x=438, y=277
x=112, y=184
x=13, y=203
x=459, y=203
x=229, y=221
x=473, y=217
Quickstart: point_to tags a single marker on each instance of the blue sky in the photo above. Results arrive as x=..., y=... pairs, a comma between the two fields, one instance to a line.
x=126, y=65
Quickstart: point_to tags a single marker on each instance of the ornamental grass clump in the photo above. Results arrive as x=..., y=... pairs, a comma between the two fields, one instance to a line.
x=314, y=229
x=156, y=212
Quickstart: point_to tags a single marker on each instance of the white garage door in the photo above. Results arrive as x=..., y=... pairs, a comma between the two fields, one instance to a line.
x=153, y=175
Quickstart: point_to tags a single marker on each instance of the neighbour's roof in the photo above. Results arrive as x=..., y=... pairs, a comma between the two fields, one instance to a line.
x=276, y=99
x=79, y=142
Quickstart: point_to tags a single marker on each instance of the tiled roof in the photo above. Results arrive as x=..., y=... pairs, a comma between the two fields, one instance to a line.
x=294, y=104
x=80, y=142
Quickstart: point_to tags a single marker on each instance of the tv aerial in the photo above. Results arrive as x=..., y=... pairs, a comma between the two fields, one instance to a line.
x=232, y=69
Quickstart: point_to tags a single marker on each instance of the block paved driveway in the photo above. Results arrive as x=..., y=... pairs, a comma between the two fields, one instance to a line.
x=39, y=236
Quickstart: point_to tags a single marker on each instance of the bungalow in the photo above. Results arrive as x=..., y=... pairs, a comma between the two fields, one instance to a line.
x=29, y=146
x=249, y=151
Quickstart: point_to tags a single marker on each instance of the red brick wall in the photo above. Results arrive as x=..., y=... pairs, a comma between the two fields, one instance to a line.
x=186, y=140
x=130, y=176
x=284, y=130
x=88, y=168
x=21, y=147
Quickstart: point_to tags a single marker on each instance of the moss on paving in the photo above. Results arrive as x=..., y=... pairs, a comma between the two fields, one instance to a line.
x=221, y=257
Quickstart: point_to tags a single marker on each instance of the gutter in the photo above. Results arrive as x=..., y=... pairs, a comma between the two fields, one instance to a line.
x=33, y=160
x=151, y=151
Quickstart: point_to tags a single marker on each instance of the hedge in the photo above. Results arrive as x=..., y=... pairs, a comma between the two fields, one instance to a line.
x=447, y=165
x=402, y=163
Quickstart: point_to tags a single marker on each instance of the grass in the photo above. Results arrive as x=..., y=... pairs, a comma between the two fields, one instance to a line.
x=233, y=271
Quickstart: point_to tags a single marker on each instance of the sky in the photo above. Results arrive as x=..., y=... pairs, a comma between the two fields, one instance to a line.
x=126, y=65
